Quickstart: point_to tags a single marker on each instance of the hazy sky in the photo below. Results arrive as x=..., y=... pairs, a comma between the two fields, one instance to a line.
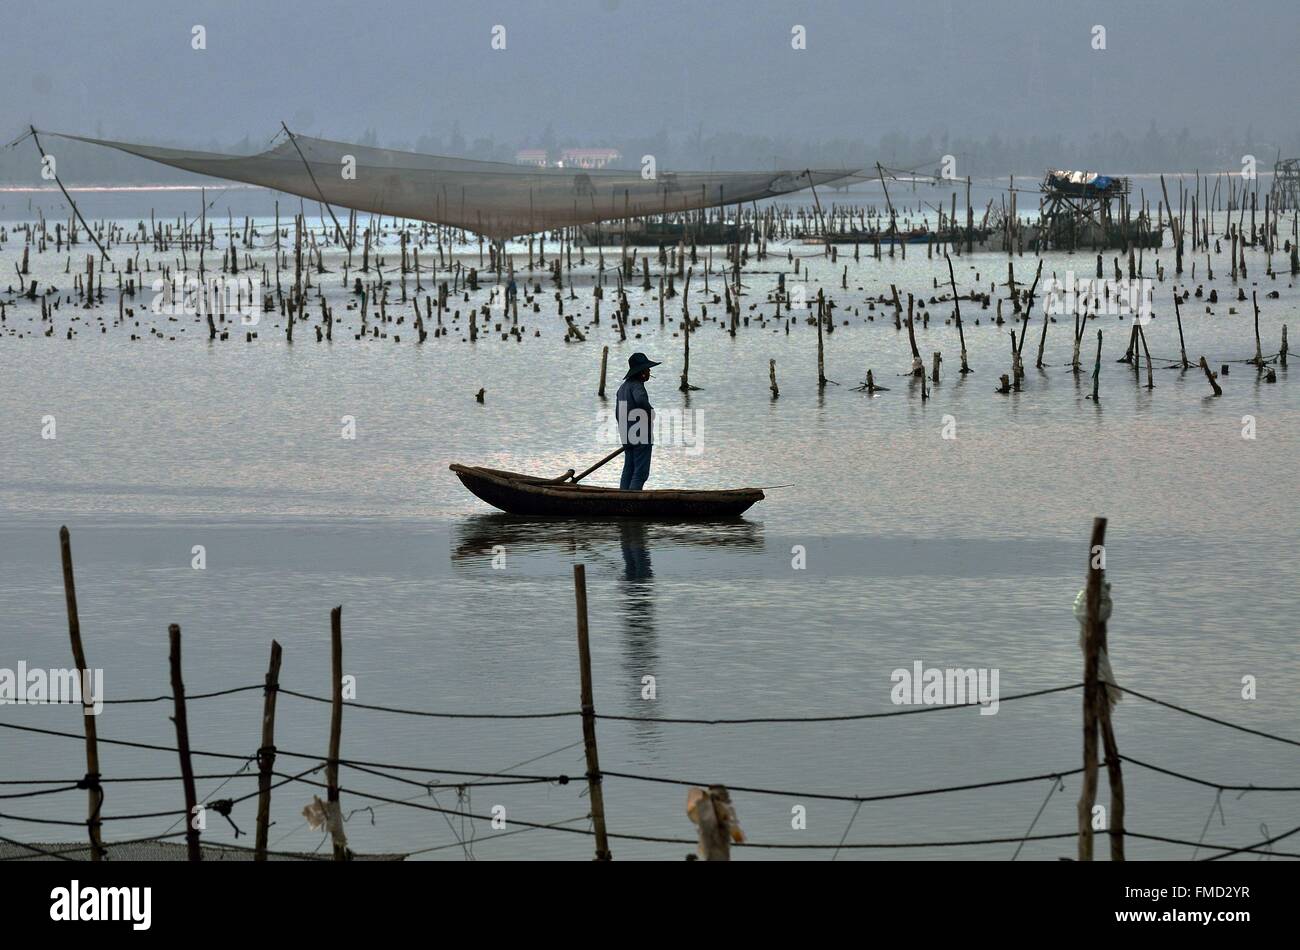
x=597, y=69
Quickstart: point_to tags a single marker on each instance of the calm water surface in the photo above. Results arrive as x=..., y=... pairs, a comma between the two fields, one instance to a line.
x=954, y=552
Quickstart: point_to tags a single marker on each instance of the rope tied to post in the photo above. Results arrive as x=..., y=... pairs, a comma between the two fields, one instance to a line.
x=265, y=757
x=1104, y=671
x=90, y=782
x=223, y=807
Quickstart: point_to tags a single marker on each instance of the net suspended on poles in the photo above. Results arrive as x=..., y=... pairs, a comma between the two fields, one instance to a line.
x=495, y=199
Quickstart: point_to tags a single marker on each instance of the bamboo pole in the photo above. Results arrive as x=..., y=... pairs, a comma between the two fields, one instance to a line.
x=1142, y=338
x=95, y=793
x=266, y=754
x=1091, y=689
x=956, y=306
x=821, y=350
x=1259, y=352
x=1114, y=770
x=589, y=716
x=604, y=361
x=1182, y=347
x=336, y=720
x=1096, y=371
x=183, y=744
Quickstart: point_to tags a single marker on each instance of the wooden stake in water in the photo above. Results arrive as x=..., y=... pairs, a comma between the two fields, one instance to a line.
x=95, y=792
x=956, y=306
x=266, y=754
x=1182, y=347
x=183, y=744
x=589, y=717
x=1096, y=371
x=1214, y=383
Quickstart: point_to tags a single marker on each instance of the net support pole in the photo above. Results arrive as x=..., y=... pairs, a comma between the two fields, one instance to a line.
x=338, y=229
x=75, y=209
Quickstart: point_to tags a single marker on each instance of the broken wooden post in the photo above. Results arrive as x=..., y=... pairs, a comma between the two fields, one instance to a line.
x=1182, y=347
x=771, y=375
x=712, y=812
x=821, y=353
x=1259, y=353
x=183, y=745
x=1142, y=337
x=1214, y=383
x=604, y=360
x=266, y=754
x=589, y=717
x=95, y=793
x=1096, y=371
x=918, y=365
x=957, y=314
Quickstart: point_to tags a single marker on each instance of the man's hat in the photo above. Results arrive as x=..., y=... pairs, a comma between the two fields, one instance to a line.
x=638, y=363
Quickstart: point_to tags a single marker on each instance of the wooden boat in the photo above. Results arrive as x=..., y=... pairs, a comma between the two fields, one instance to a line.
x=529, y=495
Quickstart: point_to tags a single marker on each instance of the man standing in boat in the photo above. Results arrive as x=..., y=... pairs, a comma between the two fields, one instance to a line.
x=635, y=422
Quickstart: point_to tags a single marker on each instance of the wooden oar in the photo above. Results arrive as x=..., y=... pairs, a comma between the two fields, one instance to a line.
x=612, y=455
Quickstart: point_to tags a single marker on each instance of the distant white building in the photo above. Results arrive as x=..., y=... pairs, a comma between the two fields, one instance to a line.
x=531, y=156
x=588, y=157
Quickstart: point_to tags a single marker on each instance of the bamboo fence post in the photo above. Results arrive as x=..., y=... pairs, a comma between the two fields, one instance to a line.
x=183, y=743
x=266, y=754
x=336, y=725
x=95, y=793
x=1088, y=793
x=1114, y=770
x=589, y=716
x=604, y=360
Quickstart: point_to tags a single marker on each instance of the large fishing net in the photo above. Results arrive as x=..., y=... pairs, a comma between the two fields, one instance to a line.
x=495, y=199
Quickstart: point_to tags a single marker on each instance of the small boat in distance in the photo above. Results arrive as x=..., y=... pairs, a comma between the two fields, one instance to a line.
x=529, y=495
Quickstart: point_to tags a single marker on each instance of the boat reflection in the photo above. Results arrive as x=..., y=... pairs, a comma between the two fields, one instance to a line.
x=475, y=536
x=625, y=550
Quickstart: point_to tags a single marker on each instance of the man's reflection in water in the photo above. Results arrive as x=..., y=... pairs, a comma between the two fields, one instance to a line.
x=637, y=613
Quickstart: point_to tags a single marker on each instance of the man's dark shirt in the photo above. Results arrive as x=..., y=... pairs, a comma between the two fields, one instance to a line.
x=635, y=415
